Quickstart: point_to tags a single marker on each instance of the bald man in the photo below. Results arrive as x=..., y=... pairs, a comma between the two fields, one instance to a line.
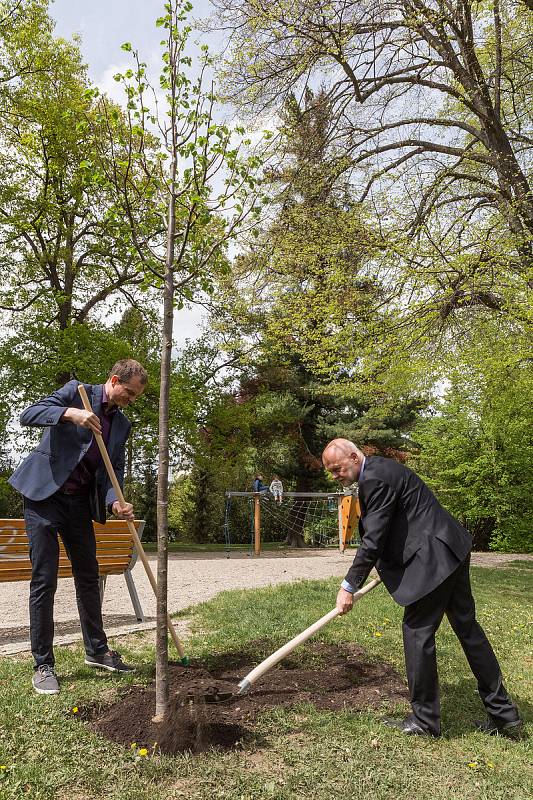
x=422, y=555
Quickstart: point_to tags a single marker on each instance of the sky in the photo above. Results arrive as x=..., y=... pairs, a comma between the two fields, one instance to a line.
x=104, y=25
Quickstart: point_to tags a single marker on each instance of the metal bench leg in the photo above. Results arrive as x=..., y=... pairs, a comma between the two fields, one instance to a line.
x=101, y=580
x=134, y=596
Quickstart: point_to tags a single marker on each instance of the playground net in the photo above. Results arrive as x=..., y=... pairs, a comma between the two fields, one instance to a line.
x=310, y=518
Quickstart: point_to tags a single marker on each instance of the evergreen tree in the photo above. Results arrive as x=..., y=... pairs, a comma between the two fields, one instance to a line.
x=294, y=313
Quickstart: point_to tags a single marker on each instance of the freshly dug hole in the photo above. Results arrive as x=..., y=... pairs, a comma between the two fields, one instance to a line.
x=205, y=712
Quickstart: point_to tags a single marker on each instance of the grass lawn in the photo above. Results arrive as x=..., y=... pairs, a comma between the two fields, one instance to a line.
x=46, y=751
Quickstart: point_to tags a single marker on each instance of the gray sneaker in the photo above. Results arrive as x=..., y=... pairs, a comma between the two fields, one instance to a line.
x=44, y=680
x=110, y=661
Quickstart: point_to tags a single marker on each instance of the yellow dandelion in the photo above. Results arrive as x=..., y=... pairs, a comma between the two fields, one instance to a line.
x=3, y=766
x=143, y=751
x=473, y=764
x=377, y=633
x=490, y=765
x=75, y=710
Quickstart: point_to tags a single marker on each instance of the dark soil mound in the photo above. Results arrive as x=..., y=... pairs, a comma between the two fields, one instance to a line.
x=205, y=712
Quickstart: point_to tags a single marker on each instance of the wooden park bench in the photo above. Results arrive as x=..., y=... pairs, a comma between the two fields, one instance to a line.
x=115, y=552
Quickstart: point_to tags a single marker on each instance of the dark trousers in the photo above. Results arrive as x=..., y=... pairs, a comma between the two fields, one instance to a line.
x=69, y=516
x=420, y=622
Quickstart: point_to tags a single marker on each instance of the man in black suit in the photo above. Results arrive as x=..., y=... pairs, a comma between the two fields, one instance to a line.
x=422, y=555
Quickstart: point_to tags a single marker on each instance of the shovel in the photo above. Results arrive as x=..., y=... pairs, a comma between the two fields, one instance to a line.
x=131, y=527
x=219, y=692
x=246, y=684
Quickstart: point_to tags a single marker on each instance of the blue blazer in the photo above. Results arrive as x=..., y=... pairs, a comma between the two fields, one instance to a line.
x=63, y=445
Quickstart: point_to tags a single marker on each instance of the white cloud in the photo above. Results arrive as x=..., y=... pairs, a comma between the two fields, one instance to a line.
x=188, y=324
x=109, y=86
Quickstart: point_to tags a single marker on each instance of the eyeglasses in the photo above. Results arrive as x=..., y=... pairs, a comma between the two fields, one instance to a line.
x=132, y=393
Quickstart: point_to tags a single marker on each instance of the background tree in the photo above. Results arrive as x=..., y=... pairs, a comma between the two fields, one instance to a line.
x=476, y=446
x=297, y=329
x=24, y=27
x=277, y=420
x=10, y=500
x=431, y=102
x=64, y=252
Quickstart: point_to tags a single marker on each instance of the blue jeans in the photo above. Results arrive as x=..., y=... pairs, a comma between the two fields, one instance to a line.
x=69, y=516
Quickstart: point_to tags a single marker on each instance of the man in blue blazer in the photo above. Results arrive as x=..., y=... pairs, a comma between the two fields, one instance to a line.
x=65, y=486
x=422, y=555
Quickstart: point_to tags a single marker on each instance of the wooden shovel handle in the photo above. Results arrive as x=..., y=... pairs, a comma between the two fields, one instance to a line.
x=131, y=526
x=283, y=651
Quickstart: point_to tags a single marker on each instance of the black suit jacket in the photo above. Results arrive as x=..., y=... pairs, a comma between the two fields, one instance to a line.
x=413, y=542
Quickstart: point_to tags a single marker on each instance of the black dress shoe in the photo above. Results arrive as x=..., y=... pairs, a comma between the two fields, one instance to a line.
x=512, y=730
x=408, y=726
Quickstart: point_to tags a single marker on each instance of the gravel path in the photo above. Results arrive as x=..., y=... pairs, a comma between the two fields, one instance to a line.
x=193, y=578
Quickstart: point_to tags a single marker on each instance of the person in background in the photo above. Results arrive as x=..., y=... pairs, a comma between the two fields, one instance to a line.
x=258, y=485
x=65, y=486
x=276, y=489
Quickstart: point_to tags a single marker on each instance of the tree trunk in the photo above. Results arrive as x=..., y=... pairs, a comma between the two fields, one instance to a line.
x=296, y=522
x=161, y=686
x=201, y=518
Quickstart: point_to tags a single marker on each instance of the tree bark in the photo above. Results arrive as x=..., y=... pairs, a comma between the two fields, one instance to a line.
x=163, y=469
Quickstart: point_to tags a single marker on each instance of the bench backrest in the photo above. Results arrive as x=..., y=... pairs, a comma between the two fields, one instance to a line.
x=115, y=550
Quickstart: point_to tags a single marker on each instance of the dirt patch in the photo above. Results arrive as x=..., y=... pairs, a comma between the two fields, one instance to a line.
x=204, y=711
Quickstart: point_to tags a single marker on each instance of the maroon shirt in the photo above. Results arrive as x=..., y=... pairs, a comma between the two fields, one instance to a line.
x=83, y=474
